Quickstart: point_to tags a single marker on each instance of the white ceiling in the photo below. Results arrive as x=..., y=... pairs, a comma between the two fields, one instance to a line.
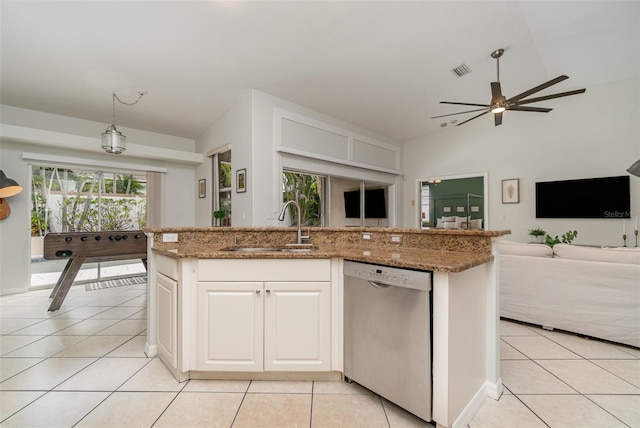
x=382, y=65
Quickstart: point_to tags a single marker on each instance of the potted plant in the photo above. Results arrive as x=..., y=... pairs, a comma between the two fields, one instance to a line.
x=567, y=238
x=219, y=216
x=537, y=235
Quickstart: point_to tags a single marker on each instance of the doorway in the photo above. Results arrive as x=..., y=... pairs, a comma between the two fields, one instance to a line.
x=453, y=202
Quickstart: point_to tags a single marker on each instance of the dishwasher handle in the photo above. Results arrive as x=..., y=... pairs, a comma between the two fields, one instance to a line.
x=380, y=285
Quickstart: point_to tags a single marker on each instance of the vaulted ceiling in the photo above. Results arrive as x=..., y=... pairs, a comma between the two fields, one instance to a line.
x=382, y=65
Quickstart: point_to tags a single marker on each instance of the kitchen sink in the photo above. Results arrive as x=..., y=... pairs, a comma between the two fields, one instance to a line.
x=270, y=249
x=252, y=249
x=298, y=250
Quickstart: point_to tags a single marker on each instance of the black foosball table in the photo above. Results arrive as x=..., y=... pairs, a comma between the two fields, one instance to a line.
x=88, y=247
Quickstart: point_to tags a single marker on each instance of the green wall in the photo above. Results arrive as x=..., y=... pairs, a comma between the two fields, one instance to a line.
x=453, y=194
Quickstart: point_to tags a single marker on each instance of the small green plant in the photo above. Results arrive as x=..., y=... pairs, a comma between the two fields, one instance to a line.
x=219, y=215
x=566, y=238
x=538, y=231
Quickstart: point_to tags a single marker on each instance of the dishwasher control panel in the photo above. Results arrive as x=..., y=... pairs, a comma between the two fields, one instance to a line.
x=378, y=273
x=418, y=280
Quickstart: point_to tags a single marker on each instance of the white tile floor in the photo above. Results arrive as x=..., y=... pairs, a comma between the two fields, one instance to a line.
x=84, y=366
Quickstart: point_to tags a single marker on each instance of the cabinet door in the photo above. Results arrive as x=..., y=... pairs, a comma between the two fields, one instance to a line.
x=297, y=326
x=166, y=318
x=229, y=326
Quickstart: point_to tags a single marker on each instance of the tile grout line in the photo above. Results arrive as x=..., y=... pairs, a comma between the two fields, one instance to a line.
x=246, y=391
x=52, y=389
x=313, y=387
x=578, y=393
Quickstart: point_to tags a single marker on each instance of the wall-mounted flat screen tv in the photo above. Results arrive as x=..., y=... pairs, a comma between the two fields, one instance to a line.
x=606, y=197
x=375, y=205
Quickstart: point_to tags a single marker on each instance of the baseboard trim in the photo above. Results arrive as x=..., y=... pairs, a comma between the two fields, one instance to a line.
x=150, y=350
x=488, y=389
x=9, y=291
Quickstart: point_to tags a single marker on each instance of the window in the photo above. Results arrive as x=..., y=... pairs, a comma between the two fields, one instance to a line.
x=308, y=190
x=76, y=200
x=222, y=188
x=335, y=201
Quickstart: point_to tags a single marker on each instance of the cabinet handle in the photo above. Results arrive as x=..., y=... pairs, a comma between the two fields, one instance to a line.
x=268, y=291
x=257, y=291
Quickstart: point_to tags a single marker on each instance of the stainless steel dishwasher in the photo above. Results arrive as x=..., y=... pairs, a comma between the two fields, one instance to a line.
x=387, y=333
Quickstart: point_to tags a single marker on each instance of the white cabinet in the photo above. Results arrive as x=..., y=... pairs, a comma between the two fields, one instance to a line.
x=167, y=318
x=229, y=320
x=271, y=315
x=297, y=326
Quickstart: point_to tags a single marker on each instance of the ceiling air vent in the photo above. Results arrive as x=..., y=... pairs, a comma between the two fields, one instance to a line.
x=461, y=70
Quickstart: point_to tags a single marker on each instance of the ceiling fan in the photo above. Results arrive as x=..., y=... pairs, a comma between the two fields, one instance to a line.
x=499, y=103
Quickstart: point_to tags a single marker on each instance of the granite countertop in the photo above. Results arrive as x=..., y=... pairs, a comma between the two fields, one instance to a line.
x=411, y=258
x=431, y=231
x=432, y=249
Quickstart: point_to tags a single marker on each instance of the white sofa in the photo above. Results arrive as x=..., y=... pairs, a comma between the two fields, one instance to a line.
x=585, y=290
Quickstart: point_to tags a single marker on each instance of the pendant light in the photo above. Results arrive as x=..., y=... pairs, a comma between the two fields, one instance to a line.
x=114, y=141
x=8, y=187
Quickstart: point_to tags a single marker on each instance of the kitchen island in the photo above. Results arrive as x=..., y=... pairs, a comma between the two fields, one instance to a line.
x=218, y=309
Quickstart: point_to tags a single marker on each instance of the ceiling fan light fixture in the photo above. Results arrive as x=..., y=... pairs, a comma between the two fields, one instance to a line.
x=635, y=168
x=499, y=103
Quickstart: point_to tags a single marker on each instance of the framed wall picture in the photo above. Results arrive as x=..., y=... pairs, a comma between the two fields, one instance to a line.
x=241, y=180
x=202, y=188
x=511, y=191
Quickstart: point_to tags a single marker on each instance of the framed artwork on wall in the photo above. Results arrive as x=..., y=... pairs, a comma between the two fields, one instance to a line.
x=511, y=191
x=241, y=180
x=202, y=188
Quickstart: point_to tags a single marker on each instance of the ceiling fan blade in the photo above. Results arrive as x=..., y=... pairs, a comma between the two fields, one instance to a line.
x=496, y=93
x=462, y=112
x=550, y=97
x=462, y=123
x=538, y=88
x=465, y=104
x=497, y=118
x=533, y=109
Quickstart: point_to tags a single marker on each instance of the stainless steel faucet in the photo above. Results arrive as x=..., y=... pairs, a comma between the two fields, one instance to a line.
x=283, y=212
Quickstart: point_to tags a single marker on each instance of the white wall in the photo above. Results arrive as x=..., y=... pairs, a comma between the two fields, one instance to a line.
x=178, y=209
x=234, y=128
x=263, y=175
x=249, y=127
x=595, y=134
x=70, y=125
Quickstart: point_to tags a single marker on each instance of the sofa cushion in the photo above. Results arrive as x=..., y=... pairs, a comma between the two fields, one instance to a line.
x=520, y=249
x=594, y=254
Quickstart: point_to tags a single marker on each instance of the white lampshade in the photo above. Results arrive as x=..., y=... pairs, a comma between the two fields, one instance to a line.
x=113, y=141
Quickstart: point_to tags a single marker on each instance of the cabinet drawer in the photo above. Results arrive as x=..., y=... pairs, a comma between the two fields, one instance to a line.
x=167, y=266
x=264, y=270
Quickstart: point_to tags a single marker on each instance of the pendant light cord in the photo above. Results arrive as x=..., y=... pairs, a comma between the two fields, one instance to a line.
x=115, y=97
